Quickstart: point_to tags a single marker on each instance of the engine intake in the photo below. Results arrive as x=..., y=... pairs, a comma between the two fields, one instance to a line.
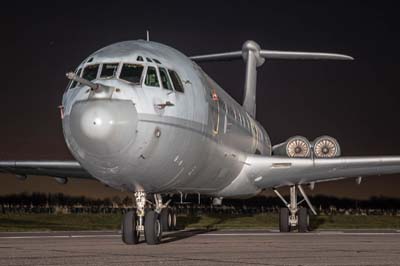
x=295, y=147
x=326, y=147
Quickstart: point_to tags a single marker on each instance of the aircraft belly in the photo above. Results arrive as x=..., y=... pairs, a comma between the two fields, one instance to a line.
x=194, y=162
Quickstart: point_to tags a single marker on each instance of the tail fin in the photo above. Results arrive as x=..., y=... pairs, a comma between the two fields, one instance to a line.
x=254, y=57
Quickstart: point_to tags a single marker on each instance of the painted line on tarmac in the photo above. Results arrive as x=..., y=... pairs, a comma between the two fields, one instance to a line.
x=302, y=234
x=71, y=236
x=275, y=234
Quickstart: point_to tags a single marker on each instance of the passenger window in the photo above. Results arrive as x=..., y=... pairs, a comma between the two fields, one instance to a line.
x=151, y=77
x=108, y=70
x=176, y=81
x=165, y=79
x=90, y=72
x=74, y=83
x=131, y=73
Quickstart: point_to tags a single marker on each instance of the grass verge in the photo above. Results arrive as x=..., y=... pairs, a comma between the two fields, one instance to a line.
x=71, y=222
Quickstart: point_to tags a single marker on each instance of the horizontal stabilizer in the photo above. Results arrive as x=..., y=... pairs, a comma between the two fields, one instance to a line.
x=254, y=57
x=271, y=54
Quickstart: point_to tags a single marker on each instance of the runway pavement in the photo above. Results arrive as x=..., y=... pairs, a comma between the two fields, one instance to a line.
x=196, y=247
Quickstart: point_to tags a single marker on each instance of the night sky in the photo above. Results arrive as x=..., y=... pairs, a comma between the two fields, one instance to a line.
x=355, y=102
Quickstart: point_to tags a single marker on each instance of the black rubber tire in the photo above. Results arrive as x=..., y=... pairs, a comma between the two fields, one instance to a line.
x=303, y=217
x=128, y=228
x=166, y=219
x=173, y=219
x=152, y=228
x=284, y=226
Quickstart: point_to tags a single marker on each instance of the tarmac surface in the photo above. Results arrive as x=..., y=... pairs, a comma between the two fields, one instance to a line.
x=196, y=247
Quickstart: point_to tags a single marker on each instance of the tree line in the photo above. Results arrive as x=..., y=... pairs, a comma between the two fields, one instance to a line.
x=56, y=202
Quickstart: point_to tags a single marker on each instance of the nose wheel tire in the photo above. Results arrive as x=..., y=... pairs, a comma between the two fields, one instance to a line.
x=130, y=235
x=173, y=219
x=166, y=219
x=152, y=228
x=304, y=220
x=284, y=220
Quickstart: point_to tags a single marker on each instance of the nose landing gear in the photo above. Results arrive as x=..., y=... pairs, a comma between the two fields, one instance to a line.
x=149, y=218
x=130, y=235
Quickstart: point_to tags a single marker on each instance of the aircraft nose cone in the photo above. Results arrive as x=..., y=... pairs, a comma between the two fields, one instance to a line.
x=103, y=127
x=97, y=122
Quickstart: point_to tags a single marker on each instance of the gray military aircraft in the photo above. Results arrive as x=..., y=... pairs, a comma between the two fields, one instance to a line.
x=140, y=116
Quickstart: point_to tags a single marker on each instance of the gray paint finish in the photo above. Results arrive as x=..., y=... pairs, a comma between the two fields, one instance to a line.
x=137, y=137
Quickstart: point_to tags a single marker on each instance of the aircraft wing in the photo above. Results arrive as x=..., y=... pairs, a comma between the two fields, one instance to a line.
x=282, y=171
x=62, y=169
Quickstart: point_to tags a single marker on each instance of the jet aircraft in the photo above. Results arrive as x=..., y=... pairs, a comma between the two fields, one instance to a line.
x=140, y=116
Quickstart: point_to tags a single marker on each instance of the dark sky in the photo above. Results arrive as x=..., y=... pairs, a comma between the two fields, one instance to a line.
x=355, y=102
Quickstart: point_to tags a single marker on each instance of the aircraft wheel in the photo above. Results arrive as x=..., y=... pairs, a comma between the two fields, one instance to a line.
x=166, y=219
x=304, y=220
x=130, y=235
x=284, y=220
x=152, y=228
x=173, y=219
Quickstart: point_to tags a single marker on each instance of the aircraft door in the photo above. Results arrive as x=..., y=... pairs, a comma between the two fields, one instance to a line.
x=215, y=111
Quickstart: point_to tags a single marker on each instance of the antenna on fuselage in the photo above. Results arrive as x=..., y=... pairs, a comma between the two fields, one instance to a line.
x=147, y=35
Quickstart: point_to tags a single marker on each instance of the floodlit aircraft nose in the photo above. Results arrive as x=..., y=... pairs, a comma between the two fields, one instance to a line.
x=103, y=127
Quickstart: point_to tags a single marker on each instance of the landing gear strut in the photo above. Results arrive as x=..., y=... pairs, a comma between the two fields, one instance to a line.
x=149, y=218
x=294, y=217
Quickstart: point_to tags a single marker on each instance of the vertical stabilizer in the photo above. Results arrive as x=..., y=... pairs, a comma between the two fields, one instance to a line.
x=251, y=55
x=254, y=57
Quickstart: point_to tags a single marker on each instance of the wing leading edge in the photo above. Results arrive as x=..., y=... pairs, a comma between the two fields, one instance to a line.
x=273, y=171
x=62, y=169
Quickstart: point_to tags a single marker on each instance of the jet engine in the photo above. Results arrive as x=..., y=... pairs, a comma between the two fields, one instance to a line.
x=297, y=146
x=326, y=147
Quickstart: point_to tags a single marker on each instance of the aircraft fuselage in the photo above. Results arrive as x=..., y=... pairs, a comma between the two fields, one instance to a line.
x=134, y=135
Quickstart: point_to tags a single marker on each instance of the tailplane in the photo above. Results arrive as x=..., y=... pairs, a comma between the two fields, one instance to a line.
x=255, y=57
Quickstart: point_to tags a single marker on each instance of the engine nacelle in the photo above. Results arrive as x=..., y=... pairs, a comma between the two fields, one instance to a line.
x=295, y=147
x=326, y=147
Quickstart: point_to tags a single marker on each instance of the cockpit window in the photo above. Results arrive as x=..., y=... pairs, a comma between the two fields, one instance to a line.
x=176, y=81
x=74, y=83
x=148, y=59
x=131, y=73
x=139, y=58
x=165, y=79
x=90, y=72
x=155, y=60
x=151, y=77
x=108, y=70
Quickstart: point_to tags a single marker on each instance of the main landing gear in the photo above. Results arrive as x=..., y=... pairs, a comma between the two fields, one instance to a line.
x=150, y=218
x=294, y=217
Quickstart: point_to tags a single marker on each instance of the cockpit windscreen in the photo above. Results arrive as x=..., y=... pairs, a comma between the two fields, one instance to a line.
x=90, y=72
x=108, y=70
x=131, y=73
